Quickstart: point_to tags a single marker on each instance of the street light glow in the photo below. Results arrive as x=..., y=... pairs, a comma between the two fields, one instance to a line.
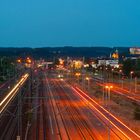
x=87, y=78
x=108, y=87
x=28, y=60
x=120, y=71
x=131, y=72
x=19, y=60
x=77, y=74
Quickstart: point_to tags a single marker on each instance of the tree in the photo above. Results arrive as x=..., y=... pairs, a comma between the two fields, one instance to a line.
x=6, y=68
x=128, y=66
x=137, y=65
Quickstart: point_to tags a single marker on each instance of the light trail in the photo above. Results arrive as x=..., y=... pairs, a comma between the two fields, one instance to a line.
x=102, y=114
x=108, y=113
x=6, y=103
x=12, y=93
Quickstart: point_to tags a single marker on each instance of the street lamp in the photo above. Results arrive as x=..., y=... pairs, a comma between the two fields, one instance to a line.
x=77, y=75
x=112, y=74
x=135, y=84
x=29, y=61
x=19, y=60
x=120, y=72
x=87, y=79
x=108, y=87
x=131, y=74
x=101, y=71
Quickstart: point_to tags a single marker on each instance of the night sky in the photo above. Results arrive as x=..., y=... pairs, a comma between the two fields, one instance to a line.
x=38, y=23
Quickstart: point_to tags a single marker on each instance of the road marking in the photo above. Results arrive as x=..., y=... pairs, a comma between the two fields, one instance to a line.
x=51, y=124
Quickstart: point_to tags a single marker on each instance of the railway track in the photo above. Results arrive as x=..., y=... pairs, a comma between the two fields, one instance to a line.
x=83, y=130
x=41, y=125
x=54, y=110
x=118, y=127
x=8, y=125
x=84, y=122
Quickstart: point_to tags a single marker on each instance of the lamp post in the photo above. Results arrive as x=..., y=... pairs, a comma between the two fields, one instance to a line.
x=108, y=87
x=87, y=79
x=101, y=71
x=68, y=74
x=135, y=84
x=78, y=75
x=131, y=73
x=112, y=74
x=107, y=74
x=122, y=82
x=120, y=72
x=131, y=77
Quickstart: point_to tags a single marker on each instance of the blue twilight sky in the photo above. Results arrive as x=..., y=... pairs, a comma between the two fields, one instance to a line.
x=37, y=23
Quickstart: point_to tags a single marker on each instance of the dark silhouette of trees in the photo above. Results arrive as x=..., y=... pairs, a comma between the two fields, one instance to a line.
x=128, y=66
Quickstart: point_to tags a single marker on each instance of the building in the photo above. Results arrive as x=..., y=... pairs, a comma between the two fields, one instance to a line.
x=111, y=62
